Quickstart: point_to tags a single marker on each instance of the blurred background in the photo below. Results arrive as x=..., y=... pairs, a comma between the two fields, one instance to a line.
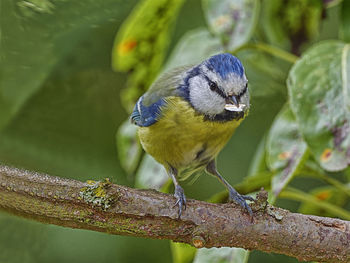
x=70, y=72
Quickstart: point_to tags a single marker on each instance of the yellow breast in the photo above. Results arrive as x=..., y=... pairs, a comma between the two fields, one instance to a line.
x=182, y=138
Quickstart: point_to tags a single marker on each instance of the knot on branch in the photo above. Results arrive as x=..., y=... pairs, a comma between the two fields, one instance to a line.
x=260, y=202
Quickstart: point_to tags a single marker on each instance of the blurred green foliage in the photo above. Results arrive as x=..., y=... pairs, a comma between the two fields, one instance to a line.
x=64, y=105
x=291, y=23
x=141, y=45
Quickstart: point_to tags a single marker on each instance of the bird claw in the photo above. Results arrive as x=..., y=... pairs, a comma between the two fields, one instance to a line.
x=248, y=198
x=180, y=199
x=241, y=200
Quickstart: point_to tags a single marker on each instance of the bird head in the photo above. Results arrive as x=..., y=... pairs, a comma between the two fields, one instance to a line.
x=218, y=87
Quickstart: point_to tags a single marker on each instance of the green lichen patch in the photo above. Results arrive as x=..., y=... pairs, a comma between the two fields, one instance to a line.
x=277, y=214
x=96, y=193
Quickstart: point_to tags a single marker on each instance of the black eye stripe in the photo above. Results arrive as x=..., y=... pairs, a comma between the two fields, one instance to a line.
x=214, y=87
x=217, y=89
x=243, y=91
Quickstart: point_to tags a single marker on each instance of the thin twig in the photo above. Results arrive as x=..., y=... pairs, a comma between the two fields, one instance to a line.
x=269, y=49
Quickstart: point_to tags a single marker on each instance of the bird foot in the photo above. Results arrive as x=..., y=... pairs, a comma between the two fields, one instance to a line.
x=241, y=200
x=180, y=199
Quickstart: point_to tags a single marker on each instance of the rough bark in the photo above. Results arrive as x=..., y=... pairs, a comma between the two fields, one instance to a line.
x=106, y=207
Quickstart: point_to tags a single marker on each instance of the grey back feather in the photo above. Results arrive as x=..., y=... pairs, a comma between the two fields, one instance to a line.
x=165, y=85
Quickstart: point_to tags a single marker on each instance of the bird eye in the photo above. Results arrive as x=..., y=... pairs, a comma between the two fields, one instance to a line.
x=213, y=86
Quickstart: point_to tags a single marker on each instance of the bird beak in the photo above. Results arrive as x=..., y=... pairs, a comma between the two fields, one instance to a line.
x=232, y=104
x=232, y=100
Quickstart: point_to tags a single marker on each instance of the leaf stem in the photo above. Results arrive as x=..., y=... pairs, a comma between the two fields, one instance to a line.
x=297, y=195
x=274, y=51
x=318, y=175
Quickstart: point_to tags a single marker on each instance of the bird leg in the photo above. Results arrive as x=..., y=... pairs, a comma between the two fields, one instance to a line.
x=179, y=192
x=233, y=194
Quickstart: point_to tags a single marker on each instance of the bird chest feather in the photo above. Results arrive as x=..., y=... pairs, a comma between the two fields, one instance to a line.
x=183, y=138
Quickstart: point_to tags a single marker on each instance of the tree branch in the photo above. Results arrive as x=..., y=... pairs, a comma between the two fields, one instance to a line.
x=106, y=207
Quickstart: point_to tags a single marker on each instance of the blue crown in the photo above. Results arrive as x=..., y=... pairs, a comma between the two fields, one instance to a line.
x=224, y=64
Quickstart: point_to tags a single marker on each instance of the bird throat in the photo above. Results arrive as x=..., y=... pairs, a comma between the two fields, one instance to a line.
x=225, y=116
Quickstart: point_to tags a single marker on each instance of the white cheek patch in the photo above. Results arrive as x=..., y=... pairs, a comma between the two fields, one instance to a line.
x=203, y=99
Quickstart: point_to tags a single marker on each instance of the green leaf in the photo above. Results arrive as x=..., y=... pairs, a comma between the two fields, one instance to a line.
x=286, y=149
x=141, y=44
x=289, y=24
x=194, y=47
x=232, y=20
x=319, y=87
x=151, y=174
x=345, y=21
x=128, y=146
x=221, y=255
x=182, y=253
x=329, y=194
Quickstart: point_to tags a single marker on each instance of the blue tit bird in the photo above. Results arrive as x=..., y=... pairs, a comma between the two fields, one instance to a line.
x=189, y=114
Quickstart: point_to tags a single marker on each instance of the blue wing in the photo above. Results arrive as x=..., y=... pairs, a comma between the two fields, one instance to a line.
x=148, y=108
x=145, y=116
